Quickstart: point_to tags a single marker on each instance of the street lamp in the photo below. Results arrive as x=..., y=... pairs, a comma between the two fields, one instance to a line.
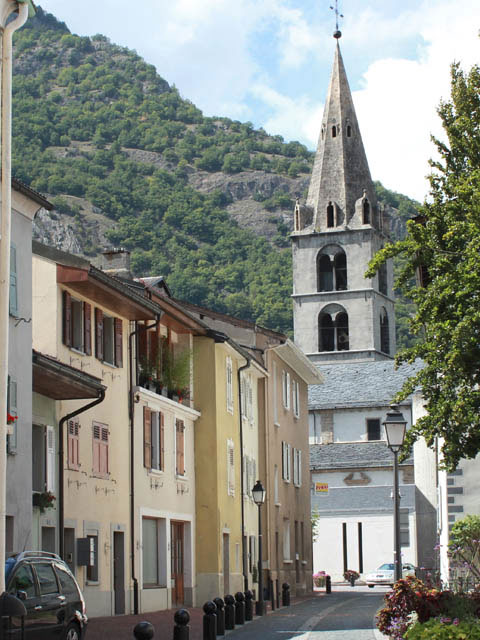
x=258, y=493
x=395, y=427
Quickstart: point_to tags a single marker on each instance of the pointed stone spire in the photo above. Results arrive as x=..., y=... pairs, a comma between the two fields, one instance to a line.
x=341, y=183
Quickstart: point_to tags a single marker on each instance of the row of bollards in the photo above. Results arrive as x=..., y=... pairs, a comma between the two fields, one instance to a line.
x=219, y=616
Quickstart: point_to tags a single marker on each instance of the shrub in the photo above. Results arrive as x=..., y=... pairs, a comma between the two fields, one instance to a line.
x=445, y=629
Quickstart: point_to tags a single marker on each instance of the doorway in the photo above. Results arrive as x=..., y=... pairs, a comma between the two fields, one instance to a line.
x=226, y=563
x=177, y=555
x=119, y=572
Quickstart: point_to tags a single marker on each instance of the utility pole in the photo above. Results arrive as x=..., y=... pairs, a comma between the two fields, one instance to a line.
x=7, y=28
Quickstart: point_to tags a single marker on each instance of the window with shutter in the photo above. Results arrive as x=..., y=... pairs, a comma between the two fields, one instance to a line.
x=296, y=399
x=229, y=377
x=50, y=475
x=250, y=400
x=162, y=441
x=275, y=485
x=67, y=319
x=243, y=396
x=286, y=461
x=147, y=437
x=180, y=447
x=100, y=449
x=230, y=467
x=13, y=300
x=87, y=328
x=118, y=327
x=99, y=334
x=73, y=445
x=275, y=394
x=12, y=410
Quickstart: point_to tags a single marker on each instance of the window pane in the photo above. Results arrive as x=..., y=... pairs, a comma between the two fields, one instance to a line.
x=92, y=568
x=66, y=582
x=150, y=551
x=77, y=324
x=108, y=340
x=46, y=579
x=23, y=581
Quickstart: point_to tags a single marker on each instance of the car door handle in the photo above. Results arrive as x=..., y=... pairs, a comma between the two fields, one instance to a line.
x=38, y=607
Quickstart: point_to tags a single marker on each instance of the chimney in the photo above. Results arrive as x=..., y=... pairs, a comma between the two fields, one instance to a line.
x=116, y=262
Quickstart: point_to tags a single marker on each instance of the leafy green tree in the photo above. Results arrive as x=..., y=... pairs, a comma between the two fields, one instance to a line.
x=445, y=243
x=464, y=546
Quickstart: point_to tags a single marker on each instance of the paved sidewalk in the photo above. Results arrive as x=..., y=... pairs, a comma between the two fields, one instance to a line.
x=121, y=627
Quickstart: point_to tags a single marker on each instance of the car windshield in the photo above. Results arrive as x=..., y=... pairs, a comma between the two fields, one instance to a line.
x=386, y=567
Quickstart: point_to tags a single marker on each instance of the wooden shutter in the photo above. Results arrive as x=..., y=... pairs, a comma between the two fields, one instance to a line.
x=67, y=319
x=13, y=300
x=147, y=437
x=161, y=419
x=99, y=334
x=153, y=349
x=299, y=454
x=73, y=445
x=50, y=475
x=118, y=326
x=180, y=447
x=87, y=328
x=96, y=448
x=284, y=464
x=142, y=341
x=104, y=451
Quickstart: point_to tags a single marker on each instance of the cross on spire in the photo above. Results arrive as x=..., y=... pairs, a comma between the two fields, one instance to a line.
x=337, y=33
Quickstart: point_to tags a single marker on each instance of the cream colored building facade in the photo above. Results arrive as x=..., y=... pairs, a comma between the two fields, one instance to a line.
x=83, y=318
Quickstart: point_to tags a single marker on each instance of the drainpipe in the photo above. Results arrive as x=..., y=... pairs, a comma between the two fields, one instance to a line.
x=244, y=542
x=6, y=9
x=131, y=416
x=61, y=478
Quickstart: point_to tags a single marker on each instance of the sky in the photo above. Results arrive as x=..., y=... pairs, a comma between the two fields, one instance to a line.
x=269, y=62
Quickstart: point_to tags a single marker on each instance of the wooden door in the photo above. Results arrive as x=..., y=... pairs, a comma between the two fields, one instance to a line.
x=177, y=565
x=119, y=572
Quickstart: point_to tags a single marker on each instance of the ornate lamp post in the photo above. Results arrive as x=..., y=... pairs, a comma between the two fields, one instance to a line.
x=258, y=493
x=395, y=427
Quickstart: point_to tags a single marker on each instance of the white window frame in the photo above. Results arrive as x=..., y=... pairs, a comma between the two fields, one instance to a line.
x=286, y=389
x=230, y=467
x=229, y=381
x=296, y=399
x=275, y=395
x=297, y=467
x=50, y=456
x=286, y=461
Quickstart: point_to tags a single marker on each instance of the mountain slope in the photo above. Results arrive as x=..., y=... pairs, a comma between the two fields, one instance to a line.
x=205, y=202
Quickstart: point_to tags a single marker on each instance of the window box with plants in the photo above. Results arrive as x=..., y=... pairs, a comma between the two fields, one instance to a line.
x=43, y=500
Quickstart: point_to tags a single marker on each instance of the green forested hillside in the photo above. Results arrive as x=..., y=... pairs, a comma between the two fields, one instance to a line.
x=95, y=126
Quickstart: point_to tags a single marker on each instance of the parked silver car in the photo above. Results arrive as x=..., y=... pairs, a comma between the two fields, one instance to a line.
x=384, y=575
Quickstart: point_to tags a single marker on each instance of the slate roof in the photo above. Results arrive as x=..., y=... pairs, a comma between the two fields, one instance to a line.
x=361, y=500
x=359, y=384
x=352, y=455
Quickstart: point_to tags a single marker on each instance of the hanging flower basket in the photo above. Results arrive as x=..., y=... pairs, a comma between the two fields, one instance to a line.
x=11, y=419
x=43, y=500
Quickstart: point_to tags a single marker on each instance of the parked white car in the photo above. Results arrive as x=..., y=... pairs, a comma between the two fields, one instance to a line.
x=384, y=574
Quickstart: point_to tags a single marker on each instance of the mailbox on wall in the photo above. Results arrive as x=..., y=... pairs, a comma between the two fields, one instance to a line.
x=86, y=552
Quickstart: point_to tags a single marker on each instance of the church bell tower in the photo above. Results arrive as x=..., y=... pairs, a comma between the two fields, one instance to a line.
x=339, y=315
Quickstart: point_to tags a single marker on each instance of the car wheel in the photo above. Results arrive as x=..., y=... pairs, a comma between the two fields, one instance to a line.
x=370, y=586
x=72, y=632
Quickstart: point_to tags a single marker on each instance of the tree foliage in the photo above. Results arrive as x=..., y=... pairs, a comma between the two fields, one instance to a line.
x=445, y=241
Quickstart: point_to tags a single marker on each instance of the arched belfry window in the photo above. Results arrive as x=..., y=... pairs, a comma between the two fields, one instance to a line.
x=349, y=131
x=366, y=212
x=334, y=131
x=382, y=279
x=384, y=332
x=330, y=215
x=333, y=329
x=323, y=132
x=331, y=269
x=325, y=273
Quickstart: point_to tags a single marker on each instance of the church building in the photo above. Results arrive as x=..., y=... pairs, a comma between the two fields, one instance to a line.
x=345, y=323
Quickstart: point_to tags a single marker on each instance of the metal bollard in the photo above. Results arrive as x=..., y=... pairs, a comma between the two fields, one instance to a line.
x=328, y=584
x=278, y=593
x=181, y=630
x=210, y=621
x=220, y=616
x=229, y=612
x=143, y=631
x=285, y=594
x=239, y=608
x=248, y=605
